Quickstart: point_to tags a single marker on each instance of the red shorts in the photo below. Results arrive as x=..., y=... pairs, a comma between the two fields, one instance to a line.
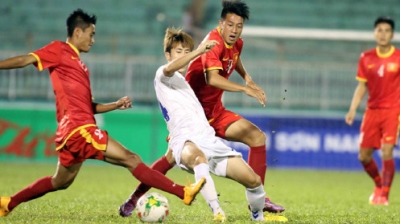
x=84, y=143
x=222, y=121
x=379, y=126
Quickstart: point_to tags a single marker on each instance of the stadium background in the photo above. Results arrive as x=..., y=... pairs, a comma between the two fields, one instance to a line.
x=309, y=79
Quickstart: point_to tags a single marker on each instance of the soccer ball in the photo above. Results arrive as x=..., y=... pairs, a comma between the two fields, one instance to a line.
x=152, y=207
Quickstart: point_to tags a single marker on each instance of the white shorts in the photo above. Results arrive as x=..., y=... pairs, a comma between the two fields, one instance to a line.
x=215, y=150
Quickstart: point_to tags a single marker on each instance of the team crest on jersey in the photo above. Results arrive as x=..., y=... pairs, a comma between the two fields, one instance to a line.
x=235, y=57
x=392, y=67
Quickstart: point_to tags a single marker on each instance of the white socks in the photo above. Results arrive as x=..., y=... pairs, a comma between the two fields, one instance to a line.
x=256, y=199
x=209, y=192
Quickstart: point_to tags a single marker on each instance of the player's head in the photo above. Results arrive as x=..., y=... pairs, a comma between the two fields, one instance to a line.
x=176, y=44
x=81, y=29
x=233, y=15
x=384, y=29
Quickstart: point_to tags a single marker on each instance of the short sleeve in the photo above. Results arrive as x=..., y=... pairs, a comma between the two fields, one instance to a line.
x=211, y=60
x=48, y=56
x=361, y=70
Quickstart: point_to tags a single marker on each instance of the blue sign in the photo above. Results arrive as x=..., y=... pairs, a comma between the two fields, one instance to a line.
x=310, y=142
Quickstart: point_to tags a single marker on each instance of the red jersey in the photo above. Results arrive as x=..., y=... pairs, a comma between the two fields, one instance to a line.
x=382, y=74
x=71, y=85
x=222, y=57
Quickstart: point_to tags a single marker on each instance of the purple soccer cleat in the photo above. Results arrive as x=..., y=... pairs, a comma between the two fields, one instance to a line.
x=126, y=209
x=271, y=207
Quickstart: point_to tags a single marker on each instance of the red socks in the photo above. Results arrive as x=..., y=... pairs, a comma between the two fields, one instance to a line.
x=37, y=189
x=388, y=169
x=258, y=160
x=161, y=165
x=372, y=170
x=157, y=180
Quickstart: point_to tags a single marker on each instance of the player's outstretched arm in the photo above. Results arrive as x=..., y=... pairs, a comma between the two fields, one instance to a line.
x=358, y=95
x=122, y=104
x=17, y=62
x=181, y=62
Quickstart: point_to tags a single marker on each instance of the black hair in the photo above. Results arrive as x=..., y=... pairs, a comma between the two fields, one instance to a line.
x=79, y=18
x=235, y=6
x=384, y=19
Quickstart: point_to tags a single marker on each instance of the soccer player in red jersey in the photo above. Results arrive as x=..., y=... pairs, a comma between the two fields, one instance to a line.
x=77, y=137
x=208, y=76
x=217, y=65
x=379, y=75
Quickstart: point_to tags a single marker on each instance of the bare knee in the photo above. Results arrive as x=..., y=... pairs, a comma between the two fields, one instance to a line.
x=131, y=160
x=253, y=181
x=387, y=151
x=199, y=159
x=365, y=155
x=257, y=138
x=61, y=184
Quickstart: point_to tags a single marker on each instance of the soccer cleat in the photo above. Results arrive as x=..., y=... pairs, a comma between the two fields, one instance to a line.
x=192, y=190
x=275, y=218
x=375, y=195
x=380, y=200
x=271, y=207
x=4, y=201
x=219, y=217
x=126, y=209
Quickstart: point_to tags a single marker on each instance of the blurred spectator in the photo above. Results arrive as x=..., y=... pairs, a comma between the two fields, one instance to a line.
x=193, y=19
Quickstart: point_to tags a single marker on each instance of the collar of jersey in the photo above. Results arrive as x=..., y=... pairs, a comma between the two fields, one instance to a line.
x=390, y=52
x=73, y=48
x=226, y=45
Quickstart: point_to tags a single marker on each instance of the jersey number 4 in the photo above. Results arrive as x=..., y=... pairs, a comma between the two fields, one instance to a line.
x=381, y=71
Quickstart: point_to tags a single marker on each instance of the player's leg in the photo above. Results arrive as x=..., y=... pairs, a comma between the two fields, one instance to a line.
x=162, y=165
x=119, y=155
x=391, y=123
x=194, y=159
x=370, y=139
x=246, y=132
x=235, y=168
x=388, y=170
x=62, y=179
x=371, y=168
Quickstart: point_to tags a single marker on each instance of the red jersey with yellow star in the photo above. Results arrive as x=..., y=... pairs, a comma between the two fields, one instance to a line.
x=381, y=72
x=222, y=57
x=71, y=85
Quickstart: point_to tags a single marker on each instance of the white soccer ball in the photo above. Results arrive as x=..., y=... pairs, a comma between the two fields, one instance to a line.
x=152, y=207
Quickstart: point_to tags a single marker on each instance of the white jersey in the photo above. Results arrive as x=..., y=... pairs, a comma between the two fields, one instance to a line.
x=180, y=107
x=186, y=121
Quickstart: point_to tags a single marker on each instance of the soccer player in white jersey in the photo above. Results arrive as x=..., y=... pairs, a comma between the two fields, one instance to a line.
x=192, y=144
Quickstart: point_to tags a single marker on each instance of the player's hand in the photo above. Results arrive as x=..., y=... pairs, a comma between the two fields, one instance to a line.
x=124, y=103
x=350, y=117
x=207, y=46
x=259, y=94
x=253, y=85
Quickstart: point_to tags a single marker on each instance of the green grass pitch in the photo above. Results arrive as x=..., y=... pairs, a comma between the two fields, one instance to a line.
x=309, y=197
